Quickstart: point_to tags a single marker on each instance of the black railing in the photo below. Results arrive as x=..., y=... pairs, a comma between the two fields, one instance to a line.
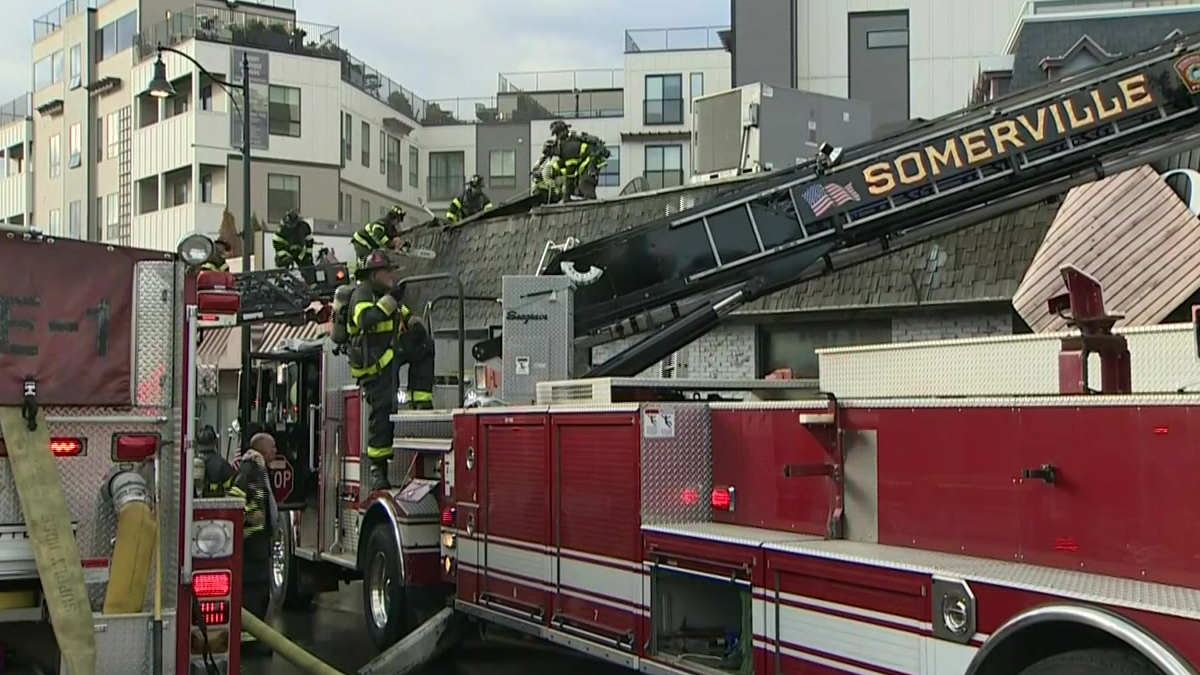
x=227, y=26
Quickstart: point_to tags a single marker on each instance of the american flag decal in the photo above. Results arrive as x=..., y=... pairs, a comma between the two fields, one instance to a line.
x=821, y=198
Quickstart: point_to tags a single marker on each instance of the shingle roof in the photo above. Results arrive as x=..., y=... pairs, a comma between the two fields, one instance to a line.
x=983, y=263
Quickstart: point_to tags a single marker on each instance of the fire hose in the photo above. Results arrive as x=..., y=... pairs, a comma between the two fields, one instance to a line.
x=284, y=647
x=48, y=522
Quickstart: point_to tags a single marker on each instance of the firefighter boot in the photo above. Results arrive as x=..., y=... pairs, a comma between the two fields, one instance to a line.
x=379, y=474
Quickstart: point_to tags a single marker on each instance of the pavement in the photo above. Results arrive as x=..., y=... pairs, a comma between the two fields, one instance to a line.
x=334, y=632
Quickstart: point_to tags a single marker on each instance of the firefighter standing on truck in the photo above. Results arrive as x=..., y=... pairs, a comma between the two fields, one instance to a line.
x=471, y=201
x=383, y=233
x=417, y=350
x=293, y=242
x=216, y=262
x=374, y=320
x=253, y=483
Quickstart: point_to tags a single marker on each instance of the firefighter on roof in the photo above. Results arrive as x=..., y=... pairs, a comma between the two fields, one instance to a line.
x=471, y=201
x=253, y=483
x=217, y=262
x=577, y=160
x=383, y=233
x=375, y=317
x=293, y=242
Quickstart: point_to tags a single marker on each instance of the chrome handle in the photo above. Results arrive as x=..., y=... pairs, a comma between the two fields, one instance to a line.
x=312, y=437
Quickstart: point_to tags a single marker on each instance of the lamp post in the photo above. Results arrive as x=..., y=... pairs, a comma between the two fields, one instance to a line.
x=160, y=87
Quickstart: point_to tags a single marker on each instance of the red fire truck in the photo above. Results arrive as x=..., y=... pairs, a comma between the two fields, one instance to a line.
x=97, y=349
x=788, y=527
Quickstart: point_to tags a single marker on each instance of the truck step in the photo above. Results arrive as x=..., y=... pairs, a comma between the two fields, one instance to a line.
x=441, y=445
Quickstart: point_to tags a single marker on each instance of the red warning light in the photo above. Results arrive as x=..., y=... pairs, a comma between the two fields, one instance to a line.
x=216, y=584
x=689, y=496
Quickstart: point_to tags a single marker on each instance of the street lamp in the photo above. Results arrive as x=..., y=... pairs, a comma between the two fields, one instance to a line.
x=160, y=87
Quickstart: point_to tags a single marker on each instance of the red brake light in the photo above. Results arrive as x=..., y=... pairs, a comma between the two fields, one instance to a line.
x=66, y=447
x=448, y=517
x=212, y=584
x=722, y=498
x=134, y=447
x=215, y=612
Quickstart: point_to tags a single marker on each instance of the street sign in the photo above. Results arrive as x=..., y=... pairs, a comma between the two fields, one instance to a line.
x=281, y=475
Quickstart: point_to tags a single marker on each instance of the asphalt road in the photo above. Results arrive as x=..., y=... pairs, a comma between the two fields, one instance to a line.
x=334, y=632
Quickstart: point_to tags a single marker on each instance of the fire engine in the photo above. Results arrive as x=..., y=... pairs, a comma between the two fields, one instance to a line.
x=97, y=409
x=773, y=526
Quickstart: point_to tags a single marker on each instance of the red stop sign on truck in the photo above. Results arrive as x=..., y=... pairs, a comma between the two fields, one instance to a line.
x=281, y=475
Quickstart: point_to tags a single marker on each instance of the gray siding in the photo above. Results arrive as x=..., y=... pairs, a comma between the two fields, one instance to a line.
x=514, y=137
x=793, y=123
x=764, y=42
x=879, y=74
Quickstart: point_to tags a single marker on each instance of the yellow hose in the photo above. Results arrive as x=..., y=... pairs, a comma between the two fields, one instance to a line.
x=55, y=551
x=284, y=647
x=129, y=572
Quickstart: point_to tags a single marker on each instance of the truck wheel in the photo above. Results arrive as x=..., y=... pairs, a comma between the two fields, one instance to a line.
x=384, y=601
x=1104, y=661
x=285, y=575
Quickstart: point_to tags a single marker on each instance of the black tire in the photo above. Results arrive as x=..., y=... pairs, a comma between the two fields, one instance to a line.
x=1101, y=661
x=285, y=575
x=385, y=605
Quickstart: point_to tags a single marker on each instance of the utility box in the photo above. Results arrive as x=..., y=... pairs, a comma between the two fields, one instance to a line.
x=758, y=127
x=539, y=332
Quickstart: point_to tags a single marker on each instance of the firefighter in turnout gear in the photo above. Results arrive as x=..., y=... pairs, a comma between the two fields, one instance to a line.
x=293, y=242
x=375, y=318
x=253, y=483
x=417, y=350
x=545, y=179
x=574, y=156
x=471, y=201
x=217, y=262
x=383, y=233
x=217, y=479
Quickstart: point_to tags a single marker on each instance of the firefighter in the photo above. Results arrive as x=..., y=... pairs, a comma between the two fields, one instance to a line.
x=592, y=165
x=574, y=157
x=374, y=320
x=253, y=484
x=471, y=201
x=293, y=242
x=216, y=262
x=544, y=178
x=417, y=350
x=217, y=479
x=383, y=233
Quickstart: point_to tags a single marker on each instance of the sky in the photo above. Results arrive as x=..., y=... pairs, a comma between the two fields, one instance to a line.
x=446, y=48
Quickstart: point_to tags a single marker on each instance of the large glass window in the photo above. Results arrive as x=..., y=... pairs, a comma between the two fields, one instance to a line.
x=112, y=217
x=74, y=146
x=446, y=176
x=503, y=168
x=366, y=142
x=414, y=165
x=75, y=219
x=56, y=222
x=76, y=66
x=116, y=36
x=283, y=195
x=113, y=134
x=610, y=175
x=54, y=158
x=395, y=172
x=347, y=137
x=664, y=166
x=48, y=70
x=382, y=155
x=664, y=99
x=284, y=111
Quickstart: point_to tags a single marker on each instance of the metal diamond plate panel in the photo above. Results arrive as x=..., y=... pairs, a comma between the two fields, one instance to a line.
x=424, y=425
x=350, y=517
x=155, y=310
x=1163, y=360
x=334, y=377
x=1158, y=598
x=539, y=335
x=677, y=470
x=730, y=534
x=123, y=643
x=425, y=507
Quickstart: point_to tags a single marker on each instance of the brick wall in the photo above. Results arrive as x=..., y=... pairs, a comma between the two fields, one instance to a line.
x=951, y=325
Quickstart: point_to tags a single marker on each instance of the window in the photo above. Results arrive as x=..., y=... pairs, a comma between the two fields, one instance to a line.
x=99, y=139
x=610, y=175
x=382, y=155
x=366, y=209
x=346, y=211
x=74, y=146
x=395, y=173
x=366, y=141
x=116, y=36
x=206, y=97
x=414, y=164
x=794, y=345
x=383, y=209
x=881, y=39
x=112, y=218
x=445, y=175
x=56, y=63
x=664, y=166
x=664, y=99
x=179, y=192
x=503, y=168
x=76, y=66
x=283, y=195
x=697, y=84
x=113, y=132
x=206, y=187
x=55, y=158
x=284, y=111
x=347, y=137
x=43, y=72
x=55, y=222
x=179, y=105
x=75, y=219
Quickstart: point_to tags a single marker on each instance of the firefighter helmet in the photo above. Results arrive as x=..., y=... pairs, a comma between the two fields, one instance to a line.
x=476, y=181
x=396, y=214
x=207, y=437
x=376, y=260
x=559, y=127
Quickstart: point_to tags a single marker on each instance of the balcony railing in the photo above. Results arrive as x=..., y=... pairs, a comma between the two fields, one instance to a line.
x=561, y=80
x=20, y=108
x=673, y=39
x=213, y=24
x=381, y=87
x=53, y=20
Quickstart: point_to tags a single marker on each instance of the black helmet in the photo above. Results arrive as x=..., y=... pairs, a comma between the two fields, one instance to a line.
x=476, y=181
x=292, y=216
x=376, y=260
x=207, y=439
x=558, y=127
x=396, y=214
x=223, y=246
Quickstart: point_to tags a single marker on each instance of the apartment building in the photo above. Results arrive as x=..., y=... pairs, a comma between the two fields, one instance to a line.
x=16, y=138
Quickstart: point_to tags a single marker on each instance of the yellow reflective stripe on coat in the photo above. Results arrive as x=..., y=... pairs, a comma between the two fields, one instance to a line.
x=373, y=369
x=381, y=327
x=421, y=395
